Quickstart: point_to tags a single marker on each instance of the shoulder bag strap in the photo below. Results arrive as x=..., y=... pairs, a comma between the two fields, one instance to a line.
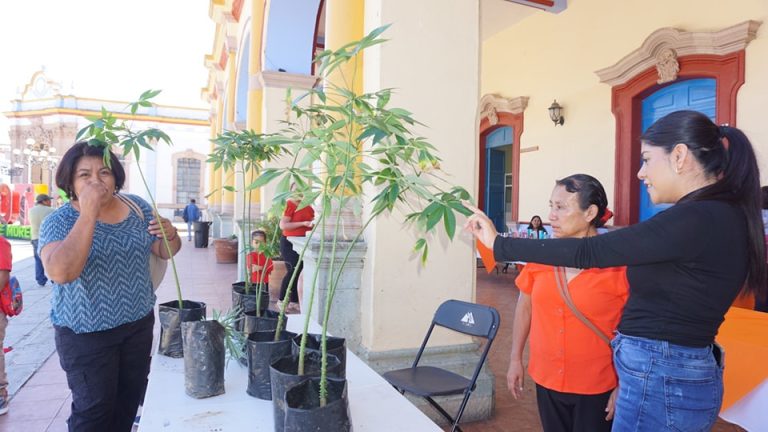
x=562, y=287
x=132, y=206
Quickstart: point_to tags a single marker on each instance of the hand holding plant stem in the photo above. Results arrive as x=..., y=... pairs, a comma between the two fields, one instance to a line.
x=107, y=130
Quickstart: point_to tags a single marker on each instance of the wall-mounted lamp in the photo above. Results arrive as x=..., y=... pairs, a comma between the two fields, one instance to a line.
x=556, y=113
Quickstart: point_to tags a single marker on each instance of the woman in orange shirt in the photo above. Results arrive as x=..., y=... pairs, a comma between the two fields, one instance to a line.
x=570, y=364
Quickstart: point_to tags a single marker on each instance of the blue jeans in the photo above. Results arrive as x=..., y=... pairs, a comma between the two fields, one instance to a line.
x=39, y=270
x=665, y=387
x=189, y=230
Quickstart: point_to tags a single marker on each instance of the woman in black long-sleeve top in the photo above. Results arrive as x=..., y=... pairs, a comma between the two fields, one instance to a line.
x=685, y=267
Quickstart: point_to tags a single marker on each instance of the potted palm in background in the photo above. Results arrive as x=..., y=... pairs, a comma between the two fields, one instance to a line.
x=107, y=131
x=349, y=150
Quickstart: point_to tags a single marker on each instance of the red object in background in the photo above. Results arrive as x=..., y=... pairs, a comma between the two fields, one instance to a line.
x=23, y=200
x=5, y=202
x=7, y=349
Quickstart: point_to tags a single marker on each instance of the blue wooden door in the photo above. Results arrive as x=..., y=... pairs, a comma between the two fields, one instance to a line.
x=697, y=95
x=496, y=144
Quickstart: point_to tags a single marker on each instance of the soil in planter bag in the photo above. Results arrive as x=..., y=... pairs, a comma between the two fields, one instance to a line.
x=262, y=352
x=283, y=374
x=336, y=346
x=204, y=360
x=303, y=412
x=170, y=324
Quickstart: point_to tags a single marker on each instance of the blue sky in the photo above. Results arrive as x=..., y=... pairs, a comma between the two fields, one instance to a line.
x=106, y=49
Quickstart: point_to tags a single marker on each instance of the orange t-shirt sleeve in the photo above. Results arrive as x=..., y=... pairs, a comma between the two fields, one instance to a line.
x=524, y=280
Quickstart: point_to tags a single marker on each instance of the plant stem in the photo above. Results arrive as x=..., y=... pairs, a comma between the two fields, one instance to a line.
x=287, y=298
x=165, y=237
x=312, y=291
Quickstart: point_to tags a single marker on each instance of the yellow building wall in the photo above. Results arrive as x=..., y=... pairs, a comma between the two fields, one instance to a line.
x=440, y=87
x=554, y=56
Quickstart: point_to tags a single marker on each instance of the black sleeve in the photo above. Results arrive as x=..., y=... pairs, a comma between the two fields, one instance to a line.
x=678, y=232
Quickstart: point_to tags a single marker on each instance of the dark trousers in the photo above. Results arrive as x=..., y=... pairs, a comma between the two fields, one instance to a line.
x=291, y=258
x=39, y=270
x=107, y=374
x=571, y=412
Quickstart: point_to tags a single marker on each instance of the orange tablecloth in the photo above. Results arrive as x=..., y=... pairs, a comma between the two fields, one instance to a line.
x=744, y=337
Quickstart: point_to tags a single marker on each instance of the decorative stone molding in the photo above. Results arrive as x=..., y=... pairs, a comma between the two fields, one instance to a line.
x=667, y=66
x=664, y=46
x=491, y=105
x=275, y=79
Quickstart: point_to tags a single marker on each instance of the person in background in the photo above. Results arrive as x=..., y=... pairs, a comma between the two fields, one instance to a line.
x=6, y=262
x=96, y=250
x=536, y=228
x=37, y=213
x=683, y=274
x=259, y=265
x=191, y=214
x=570, y=363
x=294, y=223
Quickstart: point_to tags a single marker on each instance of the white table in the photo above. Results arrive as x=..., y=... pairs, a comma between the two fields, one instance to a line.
x=374, y=405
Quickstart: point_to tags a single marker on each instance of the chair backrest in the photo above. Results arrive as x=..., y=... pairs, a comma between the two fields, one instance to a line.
x=468, y=318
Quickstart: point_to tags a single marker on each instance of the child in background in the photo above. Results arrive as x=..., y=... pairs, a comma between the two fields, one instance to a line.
x=259, y=265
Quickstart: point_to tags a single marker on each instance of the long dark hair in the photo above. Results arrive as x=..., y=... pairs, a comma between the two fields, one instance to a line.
x=541, y=224
x=726, y=154
x=589, y=191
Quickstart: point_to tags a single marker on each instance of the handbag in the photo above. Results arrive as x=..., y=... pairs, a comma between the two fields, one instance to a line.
x=157, y=265
x=562, y=287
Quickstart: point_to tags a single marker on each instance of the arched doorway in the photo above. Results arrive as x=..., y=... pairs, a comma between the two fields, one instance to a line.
x=659, y=61
x=501, y=127
x=498, y=160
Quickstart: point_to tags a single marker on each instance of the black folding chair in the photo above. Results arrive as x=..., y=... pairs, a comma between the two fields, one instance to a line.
x=428, y=381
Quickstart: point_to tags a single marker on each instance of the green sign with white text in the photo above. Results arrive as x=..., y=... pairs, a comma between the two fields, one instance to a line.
x=22, y=232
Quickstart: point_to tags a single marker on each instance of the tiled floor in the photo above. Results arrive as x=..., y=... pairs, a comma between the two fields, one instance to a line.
x=43, y=403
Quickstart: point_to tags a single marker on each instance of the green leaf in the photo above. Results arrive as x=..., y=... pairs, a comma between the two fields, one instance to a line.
x=266, y=176
x=434, y=217
x=450, y=223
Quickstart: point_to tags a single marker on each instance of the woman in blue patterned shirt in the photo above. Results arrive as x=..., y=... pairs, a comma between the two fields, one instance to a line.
x=96, y=252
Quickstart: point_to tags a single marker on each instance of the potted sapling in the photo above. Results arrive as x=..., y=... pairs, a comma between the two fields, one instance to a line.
x=108, y=131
